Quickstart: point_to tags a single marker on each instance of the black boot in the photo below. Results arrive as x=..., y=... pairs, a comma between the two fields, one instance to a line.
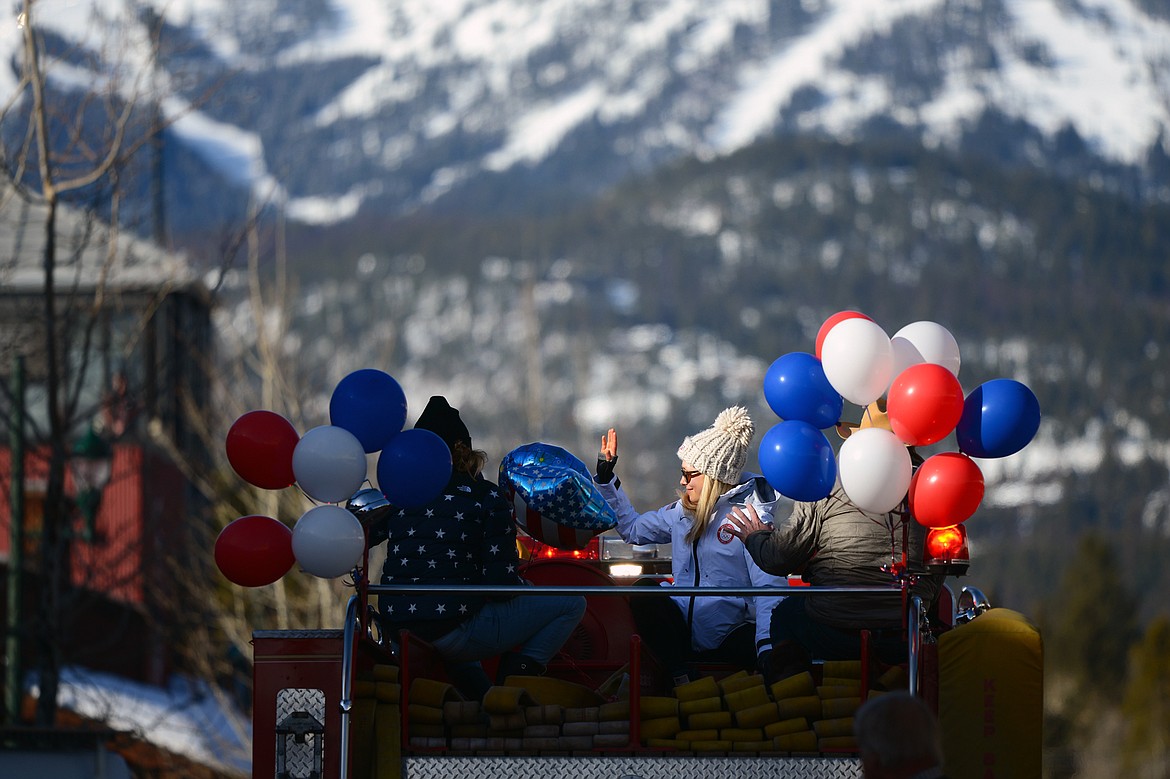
x=787, y=658
x=515, y=664
x=470, y=680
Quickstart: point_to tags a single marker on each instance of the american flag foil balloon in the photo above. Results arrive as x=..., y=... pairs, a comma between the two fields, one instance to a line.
x=555, y=499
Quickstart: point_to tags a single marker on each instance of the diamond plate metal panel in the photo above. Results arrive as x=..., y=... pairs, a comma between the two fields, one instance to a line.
x=632, y=767
x=300, y=717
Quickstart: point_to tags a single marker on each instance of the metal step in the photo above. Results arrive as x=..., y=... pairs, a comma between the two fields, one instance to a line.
x=631, y=767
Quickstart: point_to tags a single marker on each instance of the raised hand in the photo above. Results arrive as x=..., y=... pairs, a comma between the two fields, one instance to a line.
x=609, y=445
x=607, y=457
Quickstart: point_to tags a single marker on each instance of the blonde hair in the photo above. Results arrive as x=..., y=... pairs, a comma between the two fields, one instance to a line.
x=464, y=459
x=701, y=511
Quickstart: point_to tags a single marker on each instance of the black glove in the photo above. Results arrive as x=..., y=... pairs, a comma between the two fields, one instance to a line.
x=764, y=665
x=605, y=469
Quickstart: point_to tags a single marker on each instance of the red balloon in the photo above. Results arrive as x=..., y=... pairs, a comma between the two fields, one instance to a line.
x=260, y=448
x=831, y=322
x=924, y=404
x=946, y=490
x=254, y=551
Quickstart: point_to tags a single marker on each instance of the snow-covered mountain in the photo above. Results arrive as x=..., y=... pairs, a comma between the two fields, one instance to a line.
x=332, y=106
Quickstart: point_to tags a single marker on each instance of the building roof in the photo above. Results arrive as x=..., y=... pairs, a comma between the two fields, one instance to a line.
x=186, y=718
x=89, y=254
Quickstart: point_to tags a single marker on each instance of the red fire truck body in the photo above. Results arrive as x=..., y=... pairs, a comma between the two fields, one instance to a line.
x=356, y=703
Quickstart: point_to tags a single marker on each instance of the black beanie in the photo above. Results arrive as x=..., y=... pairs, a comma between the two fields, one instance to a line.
x=443, y=421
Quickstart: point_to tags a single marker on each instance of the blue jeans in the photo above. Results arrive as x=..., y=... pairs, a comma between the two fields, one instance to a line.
x=538, y=625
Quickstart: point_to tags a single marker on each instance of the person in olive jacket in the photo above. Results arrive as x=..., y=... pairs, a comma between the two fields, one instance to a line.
x=833, y=543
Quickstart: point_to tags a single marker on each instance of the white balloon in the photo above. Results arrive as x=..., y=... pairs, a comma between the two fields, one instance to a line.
x=858, y=360
x=328, y=541
x=875, y=469
x=329, y=463
x=924, y=341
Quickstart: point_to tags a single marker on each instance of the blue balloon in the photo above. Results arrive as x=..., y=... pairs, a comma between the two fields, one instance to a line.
x=413, y=468
x=1000, y=417
x=556, y=501
x=797, y=460
x=370, y=404
x=795, y=387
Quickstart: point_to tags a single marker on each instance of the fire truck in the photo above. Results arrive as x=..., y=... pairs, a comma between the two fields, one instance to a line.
x=356, y=702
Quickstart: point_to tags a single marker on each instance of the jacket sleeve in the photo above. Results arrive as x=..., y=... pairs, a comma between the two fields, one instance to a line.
x=500, y=560
x=653, y=527
x=792, y=543
x=763, y=605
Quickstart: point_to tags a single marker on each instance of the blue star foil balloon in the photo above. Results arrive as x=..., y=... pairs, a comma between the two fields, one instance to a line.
x=555, y=498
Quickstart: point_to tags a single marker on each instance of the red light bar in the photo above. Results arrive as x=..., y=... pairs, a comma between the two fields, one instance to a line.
x=536, y=549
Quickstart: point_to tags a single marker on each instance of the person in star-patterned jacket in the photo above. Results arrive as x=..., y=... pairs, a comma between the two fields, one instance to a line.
x=467, y=536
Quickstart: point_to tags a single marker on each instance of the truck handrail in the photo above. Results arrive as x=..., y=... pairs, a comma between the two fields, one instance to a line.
x=345, y=704
x=352, y=618
x=573, y=589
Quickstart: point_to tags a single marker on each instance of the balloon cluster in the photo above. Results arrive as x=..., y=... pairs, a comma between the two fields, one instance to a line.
x=554, y=496
x=916, y=372
x=367, y=411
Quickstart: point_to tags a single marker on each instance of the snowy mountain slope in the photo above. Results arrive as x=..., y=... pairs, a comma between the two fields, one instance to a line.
x=337, y=105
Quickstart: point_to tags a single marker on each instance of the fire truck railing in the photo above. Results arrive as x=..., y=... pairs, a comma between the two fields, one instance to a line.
x=354, y=620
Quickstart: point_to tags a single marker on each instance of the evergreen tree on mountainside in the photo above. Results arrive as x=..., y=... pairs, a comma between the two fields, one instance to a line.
x=1093, y=621
x=1146, y=705
x=1089, y=625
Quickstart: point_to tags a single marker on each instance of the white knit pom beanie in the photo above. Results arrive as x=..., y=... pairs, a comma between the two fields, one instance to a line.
x=721, y=451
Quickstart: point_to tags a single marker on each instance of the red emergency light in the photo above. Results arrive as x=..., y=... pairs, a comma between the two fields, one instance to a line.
x=947, y=551
x=532, y=549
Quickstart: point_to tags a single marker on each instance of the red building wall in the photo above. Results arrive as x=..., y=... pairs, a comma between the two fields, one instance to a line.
x=123, y=575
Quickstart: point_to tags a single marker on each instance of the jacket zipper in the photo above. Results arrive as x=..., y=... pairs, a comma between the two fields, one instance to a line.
x=698, y=577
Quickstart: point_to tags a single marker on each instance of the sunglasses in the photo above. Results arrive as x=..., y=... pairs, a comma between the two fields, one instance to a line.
x=688, y=475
